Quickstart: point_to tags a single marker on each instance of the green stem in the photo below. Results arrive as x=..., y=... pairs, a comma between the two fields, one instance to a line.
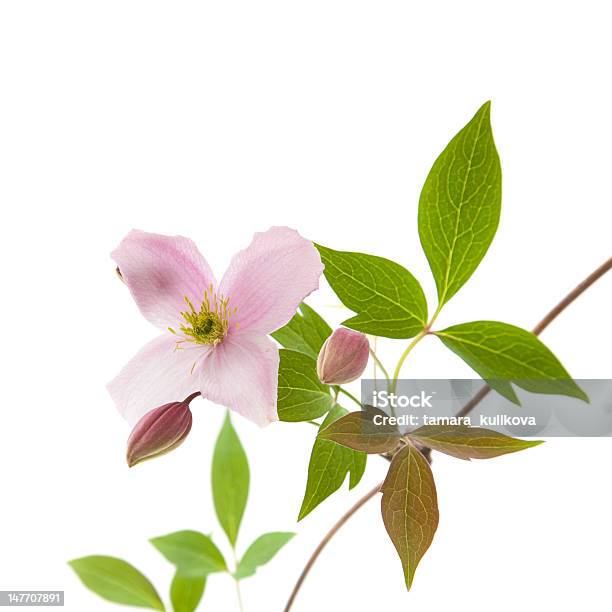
x=405, y=354
x=239, y=595
x=237, y=582
x=341, y=390
x=380, y=365
x=409, y=348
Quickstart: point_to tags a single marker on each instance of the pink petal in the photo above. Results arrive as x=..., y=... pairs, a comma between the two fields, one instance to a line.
x=160, y=271
x=241, y=374
x=158, y=374
x=267, y=281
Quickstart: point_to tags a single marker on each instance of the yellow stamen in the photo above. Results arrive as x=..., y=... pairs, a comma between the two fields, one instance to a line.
x=209, y=324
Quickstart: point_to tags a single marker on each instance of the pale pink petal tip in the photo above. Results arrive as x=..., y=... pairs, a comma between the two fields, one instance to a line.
x=267, y=281
x=160, y=271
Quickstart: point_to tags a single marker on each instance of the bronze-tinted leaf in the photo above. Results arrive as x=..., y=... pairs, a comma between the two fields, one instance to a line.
x=410, y=507
x=469, y=442
x=364, y=431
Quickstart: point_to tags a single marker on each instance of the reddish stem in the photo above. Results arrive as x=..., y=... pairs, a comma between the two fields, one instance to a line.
x=189, y=399
x=323, y=543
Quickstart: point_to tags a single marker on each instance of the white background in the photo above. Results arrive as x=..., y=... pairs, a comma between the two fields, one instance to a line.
x=215, y=120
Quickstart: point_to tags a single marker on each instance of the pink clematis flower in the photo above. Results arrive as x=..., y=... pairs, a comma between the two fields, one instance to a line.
x=215, y=337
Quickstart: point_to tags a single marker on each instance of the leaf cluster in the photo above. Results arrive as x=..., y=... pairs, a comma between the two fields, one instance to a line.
x=458, y=215
x=194, y=555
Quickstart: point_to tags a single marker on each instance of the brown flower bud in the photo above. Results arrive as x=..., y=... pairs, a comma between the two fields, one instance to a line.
x=343, y=357
x=158, y=432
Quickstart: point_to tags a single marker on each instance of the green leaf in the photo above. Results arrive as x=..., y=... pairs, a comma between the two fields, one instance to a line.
x=460, y=205
x=186, y=592
x=230, y=480
x=117, y=581
x=410, y=507
x=503, y=354
x=359, y=431
x=468, y=443
x=193, y=553
x=388, y=300
x=301, y=395
x=328, y=467
x=306, y=332
x=262, y=550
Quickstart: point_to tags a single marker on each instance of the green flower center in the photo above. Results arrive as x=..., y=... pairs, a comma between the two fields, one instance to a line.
x=209, y=324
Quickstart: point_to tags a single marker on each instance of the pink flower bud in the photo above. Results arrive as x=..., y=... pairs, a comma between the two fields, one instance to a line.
x=343, y=357
x=158, y=432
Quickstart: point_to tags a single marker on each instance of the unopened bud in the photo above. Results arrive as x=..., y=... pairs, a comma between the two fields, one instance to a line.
x=158, y=432
x=343, y=357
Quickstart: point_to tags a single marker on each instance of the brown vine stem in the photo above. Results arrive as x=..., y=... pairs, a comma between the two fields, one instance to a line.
x=323, y=543
x=546, y=321
x=538, y=329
